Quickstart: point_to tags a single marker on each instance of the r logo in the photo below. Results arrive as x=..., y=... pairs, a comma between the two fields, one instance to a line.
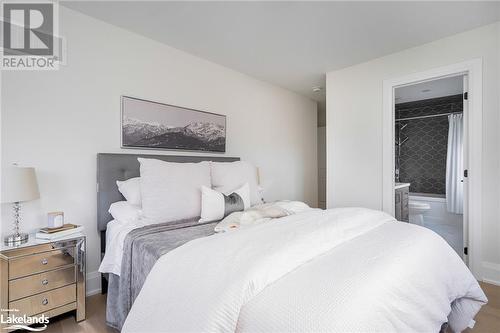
x=28, y=29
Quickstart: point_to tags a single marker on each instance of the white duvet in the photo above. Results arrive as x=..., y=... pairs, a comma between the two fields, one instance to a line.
x=340, y=270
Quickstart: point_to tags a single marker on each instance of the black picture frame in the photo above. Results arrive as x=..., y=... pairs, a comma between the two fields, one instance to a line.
x=153, y=125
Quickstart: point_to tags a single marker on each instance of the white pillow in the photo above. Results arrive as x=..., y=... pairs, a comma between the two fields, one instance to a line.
x=123, y=211
x=228, y=176
x=171, y=191
x=131, y=190
x=216, y=205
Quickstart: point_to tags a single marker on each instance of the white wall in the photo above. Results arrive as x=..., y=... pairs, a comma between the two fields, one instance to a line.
x=58, y=121
x=354, y=126
x=322, y=167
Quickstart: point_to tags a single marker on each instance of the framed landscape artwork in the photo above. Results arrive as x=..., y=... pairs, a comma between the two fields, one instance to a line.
x=153, y=125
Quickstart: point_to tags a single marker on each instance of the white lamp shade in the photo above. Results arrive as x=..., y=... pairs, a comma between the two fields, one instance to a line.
x=19, y=184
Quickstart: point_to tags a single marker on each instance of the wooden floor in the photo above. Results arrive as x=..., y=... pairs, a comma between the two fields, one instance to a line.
x=95, y=322
x=487, y=320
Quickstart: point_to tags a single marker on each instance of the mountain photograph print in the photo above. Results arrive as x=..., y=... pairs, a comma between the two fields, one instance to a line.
x=147, y=124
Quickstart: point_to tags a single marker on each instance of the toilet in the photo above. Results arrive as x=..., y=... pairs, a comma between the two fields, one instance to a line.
x=417, y=211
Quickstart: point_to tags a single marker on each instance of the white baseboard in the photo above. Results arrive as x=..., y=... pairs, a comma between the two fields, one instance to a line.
x=93, y=283
x=491, y=273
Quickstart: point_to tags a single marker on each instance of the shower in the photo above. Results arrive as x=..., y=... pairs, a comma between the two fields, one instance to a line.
x=399, y=142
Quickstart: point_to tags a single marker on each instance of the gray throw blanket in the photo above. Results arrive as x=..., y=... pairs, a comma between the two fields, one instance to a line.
x=142, y=248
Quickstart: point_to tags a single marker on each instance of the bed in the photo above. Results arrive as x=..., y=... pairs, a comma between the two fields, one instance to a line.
x=349, y=269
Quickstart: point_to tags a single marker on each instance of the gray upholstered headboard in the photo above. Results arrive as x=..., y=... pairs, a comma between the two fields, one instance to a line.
x=113, y=167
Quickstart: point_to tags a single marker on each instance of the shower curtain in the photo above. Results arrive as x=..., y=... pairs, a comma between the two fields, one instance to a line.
x=454, y=165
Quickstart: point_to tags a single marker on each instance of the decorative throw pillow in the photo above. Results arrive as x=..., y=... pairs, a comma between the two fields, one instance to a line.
x=131, y=190
x=228, y=176
x=171, y=191
x=216, y=205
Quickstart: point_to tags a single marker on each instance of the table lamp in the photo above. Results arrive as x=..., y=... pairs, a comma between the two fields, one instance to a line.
x=18, y=185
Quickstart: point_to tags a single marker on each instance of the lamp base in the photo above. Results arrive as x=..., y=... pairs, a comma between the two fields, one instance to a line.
x=16, y=239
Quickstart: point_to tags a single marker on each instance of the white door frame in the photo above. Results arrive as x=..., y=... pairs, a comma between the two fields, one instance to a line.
x=473, y=69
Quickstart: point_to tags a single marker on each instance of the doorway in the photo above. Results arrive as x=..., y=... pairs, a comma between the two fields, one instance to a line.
x=429, y=157
x=471, y=72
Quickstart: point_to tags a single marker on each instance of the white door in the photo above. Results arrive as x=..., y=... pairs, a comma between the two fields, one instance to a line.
x=466, y=167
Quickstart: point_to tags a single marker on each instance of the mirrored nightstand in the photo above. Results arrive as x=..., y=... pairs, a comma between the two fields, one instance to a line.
x=43, y=277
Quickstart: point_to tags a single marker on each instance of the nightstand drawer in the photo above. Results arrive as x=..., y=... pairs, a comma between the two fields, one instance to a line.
x=40, y=262
x=46, y=301
x=41, y=282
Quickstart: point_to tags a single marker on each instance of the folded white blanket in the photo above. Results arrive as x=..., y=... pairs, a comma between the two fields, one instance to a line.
x=260, y=214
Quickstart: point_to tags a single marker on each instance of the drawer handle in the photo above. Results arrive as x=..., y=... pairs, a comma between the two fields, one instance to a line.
x=45, y=301
x=45, y=261
x=45, y=282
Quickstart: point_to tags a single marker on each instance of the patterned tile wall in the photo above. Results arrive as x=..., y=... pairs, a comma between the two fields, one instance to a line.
x=423, y=155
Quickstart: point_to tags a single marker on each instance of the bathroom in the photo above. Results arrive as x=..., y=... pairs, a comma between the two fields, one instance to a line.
x=429, y=156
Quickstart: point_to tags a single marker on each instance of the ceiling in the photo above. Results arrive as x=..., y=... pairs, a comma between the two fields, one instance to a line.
x=291, y=44
x=430, y=89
